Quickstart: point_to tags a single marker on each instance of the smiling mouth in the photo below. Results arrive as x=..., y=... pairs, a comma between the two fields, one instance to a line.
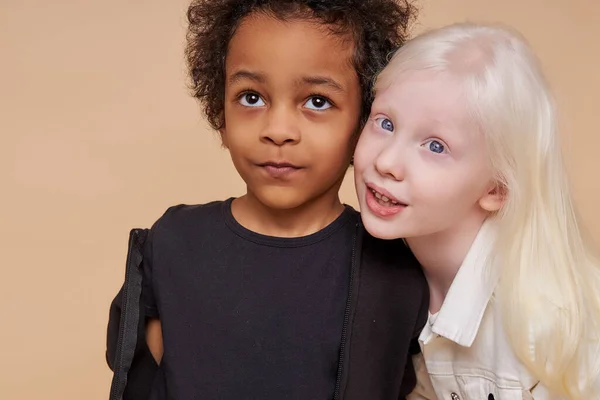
x=384, y=200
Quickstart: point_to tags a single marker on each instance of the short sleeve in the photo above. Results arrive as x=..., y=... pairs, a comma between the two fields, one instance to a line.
x=148, y=297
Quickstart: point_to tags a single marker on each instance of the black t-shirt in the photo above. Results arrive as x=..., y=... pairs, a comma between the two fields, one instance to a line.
x=247, y=316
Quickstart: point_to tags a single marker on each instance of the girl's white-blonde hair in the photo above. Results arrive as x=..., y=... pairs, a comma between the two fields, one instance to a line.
x=549, y=288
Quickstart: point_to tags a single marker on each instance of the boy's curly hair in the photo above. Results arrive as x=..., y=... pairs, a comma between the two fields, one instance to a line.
x=378, y=27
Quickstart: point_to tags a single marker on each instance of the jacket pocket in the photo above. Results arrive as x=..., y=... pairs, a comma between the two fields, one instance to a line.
x=476, y=386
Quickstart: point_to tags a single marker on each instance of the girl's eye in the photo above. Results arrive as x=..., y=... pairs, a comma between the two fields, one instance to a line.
x=317, y=103
x=251, y=100
x=435, y=146
x=385, y=124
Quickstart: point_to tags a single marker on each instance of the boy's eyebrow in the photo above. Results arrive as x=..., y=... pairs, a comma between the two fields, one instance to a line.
x=309, y=80
x=245, y=74
x=323, y=80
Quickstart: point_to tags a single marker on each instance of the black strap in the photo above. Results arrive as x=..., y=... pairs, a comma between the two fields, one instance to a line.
x=130, y=315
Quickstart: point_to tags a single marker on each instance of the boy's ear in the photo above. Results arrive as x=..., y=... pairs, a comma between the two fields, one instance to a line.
x=494, y=198
x=222, y=133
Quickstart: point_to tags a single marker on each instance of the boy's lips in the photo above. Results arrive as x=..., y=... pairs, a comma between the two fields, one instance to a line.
x=279, y=164
x=279, y=169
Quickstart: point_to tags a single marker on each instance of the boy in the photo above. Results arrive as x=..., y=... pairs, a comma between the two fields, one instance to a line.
x=279, y=293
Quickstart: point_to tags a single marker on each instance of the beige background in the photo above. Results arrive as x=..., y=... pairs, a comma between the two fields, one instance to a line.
x=98, y=135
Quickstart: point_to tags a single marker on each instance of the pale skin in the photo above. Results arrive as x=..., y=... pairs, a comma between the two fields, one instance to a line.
x=274, y=111
x=421, y=148
x=441, y=256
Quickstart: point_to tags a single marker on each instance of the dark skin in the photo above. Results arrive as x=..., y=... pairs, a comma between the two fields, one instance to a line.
x=292, y=106
x=296, y=100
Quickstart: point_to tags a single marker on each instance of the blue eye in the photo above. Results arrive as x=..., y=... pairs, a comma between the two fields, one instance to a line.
x=435, y=146
x=251, y=99
x=317, y=103
x=385, y=124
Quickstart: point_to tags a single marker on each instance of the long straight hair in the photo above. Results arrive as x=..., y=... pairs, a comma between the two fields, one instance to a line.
x=549, y=288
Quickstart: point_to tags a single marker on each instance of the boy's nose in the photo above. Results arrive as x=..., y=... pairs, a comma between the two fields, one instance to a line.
x=282, y=128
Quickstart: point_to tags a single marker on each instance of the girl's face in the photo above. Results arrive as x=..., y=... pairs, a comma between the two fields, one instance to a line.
x=421, y=165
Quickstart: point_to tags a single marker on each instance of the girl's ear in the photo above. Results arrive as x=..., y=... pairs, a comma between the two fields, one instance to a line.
x=494, y=199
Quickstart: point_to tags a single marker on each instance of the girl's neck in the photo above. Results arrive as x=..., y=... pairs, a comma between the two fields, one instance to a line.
x=442, y=254
x=303, y=220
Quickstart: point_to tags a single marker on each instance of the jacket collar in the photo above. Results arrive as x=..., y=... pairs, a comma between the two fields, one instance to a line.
x=462, y=311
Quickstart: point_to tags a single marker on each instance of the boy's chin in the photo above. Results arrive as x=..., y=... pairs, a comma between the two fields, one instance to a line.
x=282, y=198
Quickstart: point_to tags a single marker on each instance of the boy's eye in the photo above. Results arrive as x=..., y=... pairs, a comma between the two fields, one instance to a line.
x=317, y=103
x=385, y=124
x=251, y=100
x=435, y=146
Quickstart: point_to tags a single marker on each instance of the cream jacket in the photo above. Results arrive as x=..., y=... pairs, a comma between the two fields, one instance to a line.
x=465, y=353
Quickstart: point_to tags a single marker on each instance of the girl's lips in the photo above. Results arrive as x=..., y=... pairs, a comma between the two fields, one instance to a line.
x=382, y=208
x=383, y=192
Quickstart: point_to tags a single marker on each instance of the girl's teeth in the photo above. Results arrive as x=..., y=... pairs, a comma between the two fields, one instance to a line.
x=383, y=198
x=380, y=196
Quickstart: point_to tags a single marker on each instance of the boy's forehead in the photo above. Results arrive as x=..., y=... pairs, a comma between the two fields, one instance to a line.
x=264, y=40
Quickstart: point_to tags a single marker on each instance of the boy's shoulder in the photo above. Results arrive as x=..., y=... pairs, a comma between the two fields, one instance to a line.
x=182, y=216
x=396, y=271
x=393, y=252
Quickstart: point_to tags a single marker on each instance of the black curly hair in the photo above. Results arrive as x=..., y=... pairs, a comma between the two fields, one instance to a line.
x=378, y=27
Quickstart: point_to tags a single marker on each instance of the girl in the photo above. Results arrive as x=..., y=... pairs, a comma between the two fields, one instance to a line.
x=461, y=157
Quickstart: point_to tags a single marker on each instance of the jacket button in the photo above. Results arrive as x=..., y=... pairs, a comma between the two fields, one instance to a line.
x=454, y=396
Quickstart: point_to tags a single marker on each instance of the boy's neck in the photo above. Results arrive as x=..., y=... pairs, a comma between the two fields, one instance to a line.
x=442, y=254
x=304, y=220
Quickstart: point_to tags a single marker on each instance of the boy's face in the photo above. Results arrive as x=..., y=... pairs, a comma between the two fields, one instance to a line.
x=292, y=105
